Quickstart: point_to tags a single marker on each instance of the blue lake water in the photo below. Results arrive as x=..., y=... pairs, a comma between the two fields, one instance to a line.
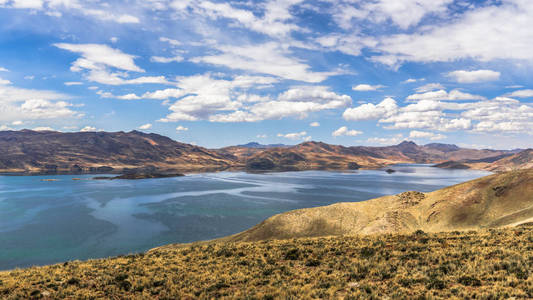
x=44, y=222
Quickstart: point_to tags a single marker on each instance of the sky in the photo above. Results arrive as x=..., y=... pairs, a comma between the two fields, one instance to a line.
x=219, y=73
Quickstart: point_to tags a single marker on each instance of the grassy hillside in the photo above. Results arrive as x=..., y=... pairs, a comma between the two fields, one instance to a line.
x=487, y=264
x=492, y=201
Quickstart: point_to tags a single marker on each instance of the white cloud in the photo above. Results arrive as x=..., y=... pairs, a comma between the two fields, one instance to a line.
x=164, y=60
x=463, y=76
x=17, y=123
x=314, y=124
x=4, y=81
x=429, y=87
x=490, y=32
x=18, y=104
x=521, y=94
x=32, y=4
x=392, y=140
x=261, y=136
x=181, y=128
x=345, y=131
x=294, y=135
x=426, y=135
x=29, y=77
x=404, y=14
x=88, y=129
x=273, y=20
x=367, y=87
x=221, y=100
x=3, y=69
x=269, y=58
x=453, y=95
x=5, y=128
x=70, y=83
x=95, y=56
x=97, y=59
x=145, y=126
x=370, y=111
x=43, y=128
x=170, y=41
x=113, y=39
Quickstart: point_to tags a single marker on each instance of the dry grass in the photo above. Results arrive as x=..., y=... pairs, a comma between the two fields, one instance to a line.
x=489, y=264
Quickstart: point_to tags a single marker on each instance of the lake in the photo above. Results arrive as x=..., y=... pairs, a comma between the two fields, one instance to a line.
x=43, y=222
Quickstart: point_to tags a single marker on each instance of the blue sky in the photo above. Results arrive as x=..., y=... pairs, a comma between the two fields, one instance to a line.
x=218, y=73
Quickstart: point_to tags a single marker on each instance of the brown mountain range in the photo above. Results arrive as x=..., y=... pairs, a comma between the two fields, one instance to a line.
x=102, y=152
x=123, y=152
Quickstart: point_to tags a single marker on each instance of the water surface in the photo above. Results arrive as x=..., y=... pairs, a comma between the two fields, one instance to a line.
x=43, y=222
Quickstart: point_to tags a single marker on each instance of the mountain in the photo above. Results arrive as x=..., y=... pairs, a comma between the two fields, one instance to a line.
x=119, y=152
x=494, y=201
x=50, y=151
x=499, y=163
x=261, y=146
x=521, y=160
x=318, y=155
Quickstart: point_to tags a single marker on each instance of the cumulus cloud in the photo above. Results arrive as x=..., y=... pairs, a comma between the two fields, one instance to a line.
x=3, y=69
x=295, y=135
x=203, y=97
x=88, y=129
x=463, y=76
x=485, y=33
x=521, y=94
x=272, y=21
x=429, y=87
x=181, y=128
x=345, y=131
x=403, y=13
x=56, y=8
x=18, y=104
x=391, y=140
x=367, y=87
x=415, y=134
x=44, y=128
x=165, y=60
x=370, y=111
x=314, y=124
x=268, y=58
x=145, y=126
x=70, y=83
x=99, y=59
x=453, y=95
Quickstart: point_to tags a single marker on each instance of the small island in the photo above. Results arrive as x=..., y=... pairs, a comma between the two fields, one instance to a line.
x=134, y=176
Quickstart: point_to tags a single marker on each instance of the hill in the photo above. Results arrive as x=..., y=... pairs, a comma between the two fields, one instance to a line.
x=492, y=201
x=487, y=264
x=500, y=163
x=322, y=156
x=77, y=152
x=521, y=160
x=120, y=152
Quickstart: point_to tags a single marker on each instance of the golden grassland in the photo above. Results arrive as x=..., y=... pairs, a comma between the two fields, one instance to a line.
x=484, y=264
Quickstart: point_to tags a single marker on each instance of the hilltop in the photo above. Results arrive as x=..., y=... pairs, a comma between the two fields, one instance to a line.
x=103, y=152
x=126, y=152
x=492, y=201
x=317, y=155
x=487, y=264
x=501, y=163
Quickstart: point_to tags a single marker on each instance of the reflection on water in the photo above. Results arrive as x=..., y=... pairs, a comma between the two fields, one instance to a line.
x=46, y=222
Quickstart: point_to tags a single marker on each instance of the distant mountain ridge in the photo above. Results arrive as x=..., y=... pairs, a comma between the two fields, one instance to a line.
x=102, y=152
x=262, y=146
x=135, y=151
